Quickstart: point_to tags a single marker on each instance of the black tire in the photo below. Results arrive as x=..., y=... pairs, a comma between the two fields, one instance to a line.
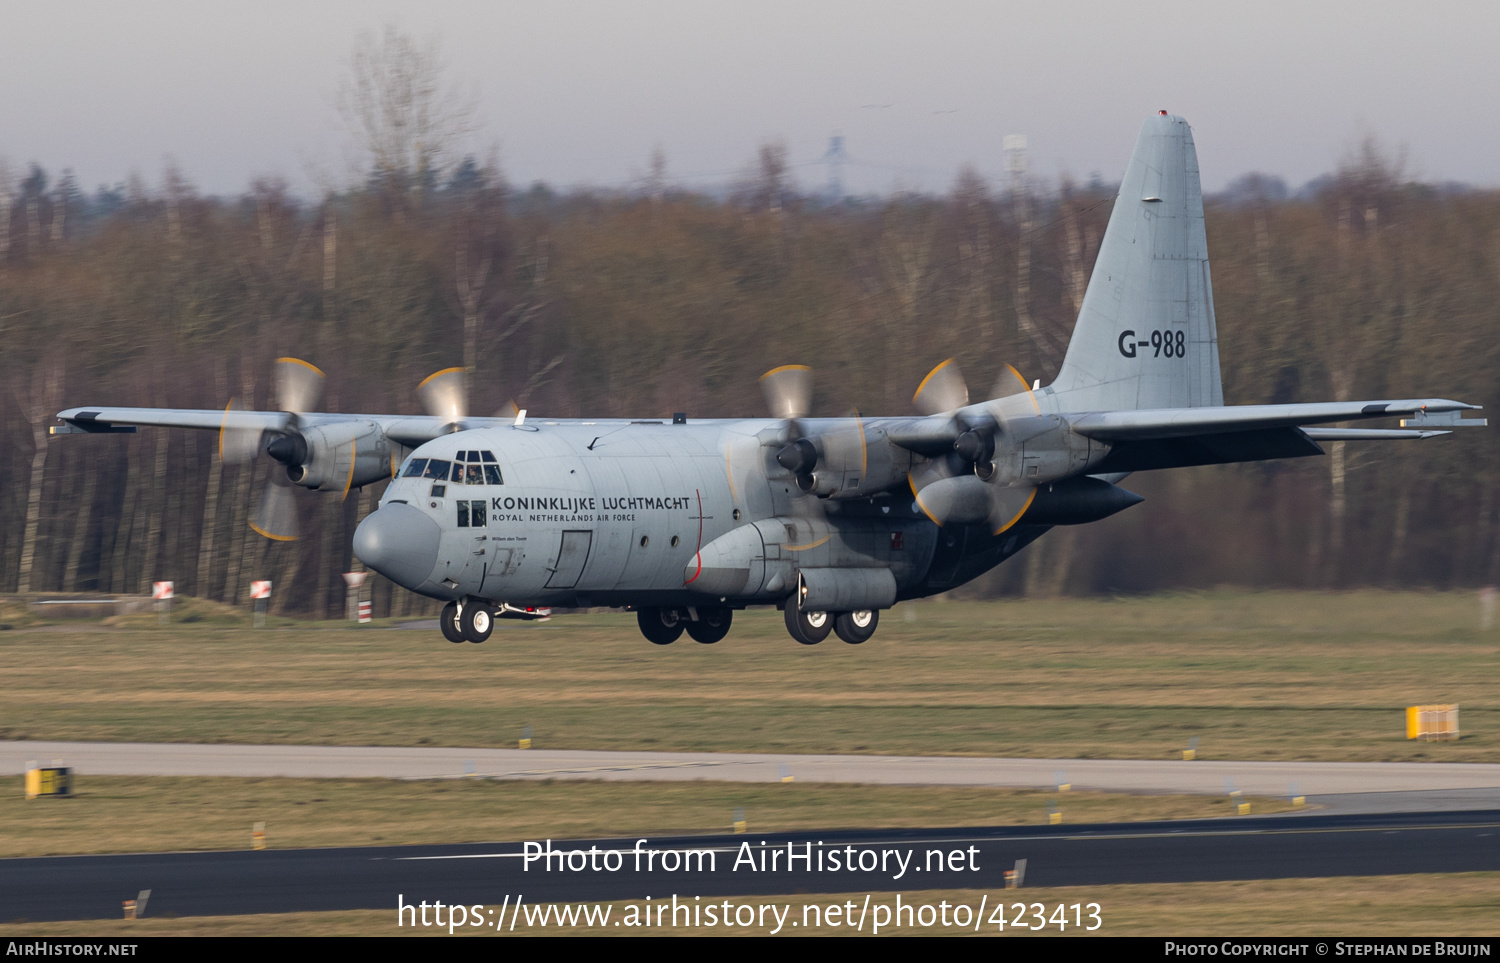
x=712, y=625
x=448, y=622
x=856, y=627
x=659, y=626
x=476, y=621
x=809, y=628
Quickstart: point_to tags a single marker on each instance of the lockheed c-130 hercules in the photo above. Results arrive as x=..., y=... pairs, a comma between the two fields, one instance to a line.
x=833, y=520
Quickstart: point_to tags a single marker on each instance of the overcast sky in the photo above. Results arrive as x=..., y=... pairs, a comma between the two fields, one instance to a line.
x=581, y=92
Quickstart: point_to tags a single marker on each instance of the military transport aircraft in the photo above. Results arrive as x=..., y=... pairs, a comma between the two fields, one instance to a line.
x=833, y=520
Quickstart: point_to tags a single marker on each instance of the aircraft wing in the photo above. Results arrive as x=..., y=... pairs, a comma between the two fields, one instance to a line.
x=1154, y=423
x=408, y=430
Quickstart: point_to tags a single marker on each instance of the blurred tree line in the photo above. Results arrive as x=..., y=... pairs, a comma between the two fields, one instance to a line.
x=656, y=300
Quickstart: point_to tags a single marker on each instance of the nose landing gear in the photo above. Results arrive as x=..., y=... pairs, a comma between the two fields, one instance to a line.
x=473, y=621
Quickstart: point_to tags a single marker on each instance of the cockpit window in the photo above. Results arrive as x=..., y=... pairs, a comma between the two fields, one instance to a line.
x=471, y=468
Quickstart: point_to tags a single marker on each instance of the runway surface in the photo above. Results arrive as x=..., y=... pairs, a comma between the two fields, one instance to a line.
x=1353, y=785
x=496, y=874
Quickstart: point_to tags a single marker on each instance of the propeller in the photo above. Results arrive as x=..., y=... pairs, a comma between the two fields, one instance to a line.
x=443, y=394
x=788, y=392
x=299, y=385
x=276, y=516
x=942, y=390
x=961, y=486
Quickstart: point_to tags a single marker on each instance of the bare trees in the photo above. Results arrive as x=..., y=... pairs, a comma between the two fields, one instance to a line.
x=674, y=301
x=38, y=398
x=400, y=108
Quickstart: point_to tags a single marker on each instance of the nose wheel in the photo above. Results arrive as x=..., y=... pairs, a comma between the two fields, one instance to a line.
x=476, y=620
x=448, y=622
x=471, y=622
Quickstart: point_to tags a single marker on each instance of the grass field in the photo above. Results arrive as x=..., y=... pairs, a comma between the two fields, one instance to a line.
x=1359, y=907
x=139, y=814
x=1282, y=676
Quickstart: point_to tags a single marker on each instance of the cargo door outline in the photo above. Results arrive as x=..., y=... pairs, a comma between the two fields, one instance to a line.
x=572, y=554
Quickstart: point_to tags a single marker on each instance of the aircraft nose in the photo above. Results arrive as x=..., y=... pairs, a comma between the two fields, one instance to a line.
x=399, y=542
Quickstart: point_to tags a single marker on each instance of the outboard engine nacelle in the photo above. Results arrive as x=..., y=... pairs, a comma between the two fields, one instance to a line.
x=334, y=457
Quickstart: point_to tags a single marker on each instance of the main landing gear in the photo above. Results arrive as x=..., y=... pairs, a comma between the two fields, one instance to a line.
x=472, y=621
x=664, y=626
x=810, y=628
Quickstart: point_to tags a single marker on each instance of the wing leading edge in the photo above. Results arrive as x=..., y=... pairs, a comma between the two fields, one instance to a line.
x=408, y=430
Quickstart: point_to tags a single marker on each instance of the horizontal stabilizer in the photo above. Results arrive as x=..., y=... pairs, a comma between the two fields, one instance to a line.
x=1116, y=426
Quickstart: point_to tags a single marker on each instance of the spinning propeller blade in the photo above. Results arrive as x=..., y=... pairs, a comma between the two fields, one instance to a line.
x=788, y=391
x=276, y=518
x=237, y=444
x=442, y=395
x=942, y=390
x=299, y=385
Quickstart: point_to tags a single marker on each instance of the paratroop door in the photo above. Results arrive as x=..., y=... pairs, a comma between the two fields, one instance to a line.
x=573, y=553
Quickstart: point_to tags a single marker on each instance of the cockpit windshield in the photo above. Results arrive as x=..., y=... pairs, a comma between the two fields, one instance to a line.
x=471, y=468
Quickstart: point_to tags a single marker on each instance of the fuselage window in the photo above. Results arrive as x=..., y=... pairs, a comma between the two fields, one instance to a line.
x=414, y=468
x=472, y=514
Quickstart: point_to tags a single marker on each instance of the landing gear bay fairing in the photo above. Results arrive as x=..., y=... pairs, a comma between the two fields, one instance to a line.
x=832, y=520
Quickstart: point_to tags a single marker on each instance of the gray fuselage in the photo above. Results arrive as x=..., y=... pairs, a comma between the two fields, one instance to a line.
x=650, y=513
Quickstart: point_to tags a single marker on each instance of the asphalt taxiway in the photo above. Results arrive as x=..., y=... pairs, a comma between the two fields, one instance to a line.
x=492, y=874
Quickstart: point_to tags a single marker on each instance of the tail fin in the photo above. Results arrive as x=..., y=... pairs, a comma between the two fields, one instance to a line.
x=1145, y=336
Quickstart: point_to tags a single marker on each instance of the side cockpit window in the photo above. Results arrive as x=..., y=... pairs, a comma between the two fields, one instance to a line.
x=414, y=468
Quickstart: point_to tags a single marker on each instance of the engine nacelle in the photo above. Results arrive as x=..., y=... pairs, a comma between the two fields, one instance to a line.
x=1041, y=449
x=340, y=456
x=841, y=458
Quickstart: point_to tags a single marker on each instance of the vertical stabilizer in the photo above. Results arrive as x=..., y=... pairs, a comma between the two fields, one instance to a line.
x=1145, y=336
